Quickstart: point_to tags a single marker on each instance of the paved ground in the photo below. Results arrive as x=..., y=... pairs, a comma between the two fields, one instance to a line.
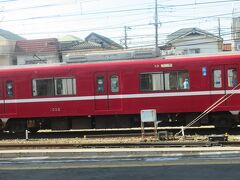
x=214, y=167
x=210, y=172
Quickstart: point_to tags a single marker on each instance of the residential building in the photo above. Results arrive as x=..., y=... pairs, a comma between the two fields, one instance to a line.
x=73, y=48
x=7, y=47
x=69, y=41
x=38, y=51
x=236, y=33
x=105, y=42
x=193, y=41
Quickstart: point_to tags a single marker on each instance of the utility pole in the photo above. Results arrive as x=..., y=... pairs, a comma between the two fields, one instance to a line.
x=220, y=43
x=156, y=29
x=125, y=36
x=219, y=28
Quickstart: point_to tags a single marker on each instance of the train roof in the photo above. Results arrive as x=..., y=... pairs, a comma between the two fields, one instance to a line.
x=185, y=59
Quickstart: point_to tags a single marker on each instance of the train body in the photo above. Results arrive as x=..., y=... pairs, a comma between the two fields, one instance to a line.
x=112, y=94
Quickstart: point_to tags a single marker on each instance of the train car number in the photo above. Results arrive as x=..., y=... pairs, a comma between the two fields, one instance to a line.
x=55, y=109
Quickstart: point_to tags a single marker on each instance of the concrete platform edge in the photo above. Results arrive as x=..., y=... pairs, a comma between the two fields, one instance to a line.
x=114, y=152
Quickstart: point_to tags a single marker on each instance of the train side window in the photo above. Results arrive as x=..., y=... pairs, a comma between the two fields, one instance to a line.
x=43, y=87
x=183, y=80
x=114, y=83
x=65, y=86
x=176, y=80
x=9, y=88
x=171, y=80
x=217, y=78
x=145, y=82
x=100, y=84
x=232, y=77
x=151, y=81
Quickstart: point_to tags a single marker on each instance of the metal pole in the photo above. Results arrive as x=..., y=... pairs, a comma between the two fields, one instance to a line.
x=219, y=28
x=183, y=134
x=26, y=134
x=220, y=44
x=156, y=29
x=125, y=37
x=126, y=28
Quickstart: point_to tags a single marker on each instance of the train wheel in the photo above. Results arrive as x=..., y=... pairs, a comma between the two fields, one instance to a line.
x=33, y=130
x=223, y=120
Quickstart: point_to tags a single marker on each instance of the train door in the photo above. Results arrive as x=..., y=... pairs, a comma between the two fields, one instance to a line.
x=1, y=98
x=114, y=90
x=218, y=84
x=107, y=91
x=7, y=95
x=101, y=91
x=224, y=79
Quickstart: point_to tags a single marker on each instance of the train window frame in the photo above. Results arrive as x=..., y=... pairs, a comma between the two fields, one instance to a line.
x=182, y=81
x=232, y=80
x=152, y=82
x=9, y=88
x=35, y=92
x=66, y=89
x=114, y=85
x=217, y=84
x=100, y=87
x=169, y=84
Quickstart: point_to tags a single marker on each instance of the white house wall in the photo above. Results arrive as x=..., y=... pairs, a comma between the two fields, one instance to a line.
x=204, y=43
x=7, y=49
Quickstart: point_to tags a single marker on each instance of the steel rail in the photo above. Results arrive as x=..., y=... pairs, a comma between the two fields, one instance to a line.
x=118, y=145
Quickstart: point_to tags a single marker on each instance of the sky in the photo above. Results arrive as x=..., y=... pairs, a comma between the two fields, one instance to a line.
x=35, y=19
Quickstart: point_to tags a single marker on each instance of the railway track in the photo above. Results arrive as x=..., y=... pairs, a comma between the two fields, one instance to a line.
x=98, y=133
x=117, y=145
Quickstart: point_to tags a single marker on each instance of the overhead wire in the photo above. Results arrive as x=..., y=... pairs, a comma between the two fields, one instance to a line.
x=120, y=26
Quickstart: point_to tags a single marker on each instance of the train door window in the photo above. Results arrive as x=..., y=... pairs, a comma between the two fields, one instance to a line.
x=65, y=86
x=9, y=88
x=152, y=82
x=43, y=87
x=217, y=78
x=100, y=84
x=232, y=77
x=114, y=83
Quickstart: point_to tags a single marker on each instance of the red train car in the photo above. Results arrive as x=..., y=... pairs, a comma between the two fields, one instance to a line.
x=112, y=94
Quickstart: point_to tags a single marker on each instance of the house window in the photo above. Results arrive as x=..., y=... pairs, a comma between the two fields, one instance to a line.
x=185, y=51
x=194, y=51
x=238, y=47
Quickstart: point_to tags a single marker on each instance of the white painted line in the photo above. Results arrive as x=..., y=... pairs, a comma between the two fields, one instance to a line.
x=120, y=96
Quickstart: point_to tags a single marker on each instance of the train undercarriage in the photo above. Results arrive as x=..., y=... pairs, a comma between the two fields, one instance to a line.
x=218, y=119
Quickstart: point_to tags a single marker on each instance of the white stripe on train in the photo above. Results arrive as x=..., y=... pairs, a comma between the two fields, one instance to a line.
x=120, y=96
